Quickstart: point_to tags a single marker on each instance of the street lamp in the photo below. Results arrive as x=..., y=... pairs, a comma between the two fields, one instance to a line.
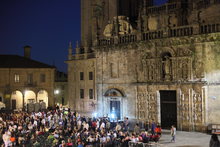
x=56, y=91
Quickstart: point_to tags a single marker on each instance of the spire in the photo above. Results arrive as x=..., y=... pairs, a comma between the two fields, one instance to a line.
x=77, y=47
x=70, y=51
x=70, y=45
x=77, y=44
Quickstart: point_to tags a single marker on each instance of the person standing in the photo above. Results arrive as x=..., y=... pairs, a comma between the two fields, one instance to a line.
x=153, y=126
x=137, y=129
x=214, y=142
x=173, y=133
x=126, y=124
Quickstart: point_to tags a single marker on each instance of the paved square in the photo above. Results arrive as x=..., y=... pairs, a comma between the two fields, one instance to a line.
x=185, y=139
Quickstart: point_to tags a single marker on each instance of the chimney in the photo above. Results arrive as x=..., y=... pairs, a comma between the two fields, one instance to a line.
x=27, y=51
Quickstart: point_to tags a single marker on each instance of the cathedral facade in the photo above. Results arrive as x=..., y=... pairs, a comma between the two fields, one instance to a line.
x=148, y=62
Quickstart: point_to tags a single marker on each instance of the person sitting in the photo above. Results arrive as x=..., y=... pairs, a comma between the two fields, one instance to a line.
x=158, y=130
x=145, y=137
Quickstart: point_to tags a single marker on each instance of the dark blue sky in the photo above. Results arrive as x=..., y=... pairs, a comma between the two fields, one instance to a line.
x=46, y=25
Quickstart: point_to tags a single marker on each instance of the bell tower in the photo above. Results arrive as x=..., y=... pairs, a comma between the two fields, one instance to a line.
x=96, y=14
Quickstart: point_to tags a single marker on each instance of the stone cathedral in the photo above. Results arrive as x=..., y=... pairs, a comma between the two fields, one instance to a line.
x=145, y=61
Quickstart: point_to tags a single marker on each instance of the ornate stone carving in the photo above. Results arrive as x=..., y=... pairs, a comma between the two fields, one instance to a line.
x=124, y=27
x=185, y=52
x=166, y=68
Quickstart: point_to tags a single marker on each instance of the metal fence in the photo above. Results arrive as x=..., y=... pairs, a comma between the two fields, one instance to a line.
x=141, y=144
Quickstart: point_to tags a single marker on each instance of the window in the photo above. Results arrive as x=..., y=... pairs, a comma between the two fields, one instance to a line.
x=90, y=75
x=30, y=78
x=82, y=93
x=81, y=76
x=90, y=93
x=42, y=78
x=17, y=78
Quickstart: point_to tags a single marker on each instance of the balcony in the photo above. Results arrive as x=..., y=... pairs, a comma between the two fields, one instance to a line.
x=180, y=31
x=209, y=28
x=152, y=35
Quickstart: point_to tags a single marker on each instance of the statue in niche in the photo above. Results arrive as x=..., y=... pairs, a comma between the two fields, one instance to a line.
x=195, y=97
x=109, y=30
x=166, y=67
x=199, y=98
x=184, y=71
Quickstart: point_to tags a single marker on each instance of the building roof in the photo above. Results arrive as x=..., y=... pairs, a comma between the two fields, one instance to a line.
x=15, y=61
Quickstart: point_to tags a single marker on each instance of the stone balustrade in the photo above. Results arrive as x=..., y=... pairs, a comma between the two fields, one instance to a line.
x=165, y=33
x=127, y=39
x=163, y=8
x=180, y=31
x=209, y=28
x=106, y=41
x=152, y=35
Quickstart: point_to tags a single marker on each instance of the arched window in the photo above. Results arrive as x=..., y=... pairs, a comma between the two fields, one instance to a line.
x=114, y=92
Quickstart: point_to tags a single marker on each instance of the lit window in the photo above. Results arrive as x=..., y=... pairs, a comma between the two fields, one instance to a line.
x=42, y=78
x=81, y=76
x=82, y=93
x=17, y=78
x=90, y=75
x=90, y=93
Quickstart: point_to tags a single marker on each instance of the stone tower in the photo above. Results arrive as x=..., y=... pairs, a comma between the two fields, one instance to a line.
x=96, y=14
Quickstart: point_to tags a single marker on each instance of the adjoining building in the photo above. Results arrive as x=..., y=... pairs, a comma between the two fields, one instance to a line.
x=148, y=62
x=24, y=81
x=61, y=89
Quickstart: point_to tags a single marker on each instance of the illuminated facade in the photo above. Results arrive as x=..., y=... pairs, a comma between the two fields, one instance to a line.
x=149, y=62
x=25, y=81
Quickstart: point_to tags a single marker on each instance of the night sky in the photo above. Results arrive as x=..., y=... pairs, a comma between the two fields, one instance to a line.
x=46, y=25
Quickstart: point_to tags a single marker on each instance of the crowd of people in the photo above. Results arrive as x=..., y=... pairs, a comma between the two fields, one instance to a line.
x=68, y=129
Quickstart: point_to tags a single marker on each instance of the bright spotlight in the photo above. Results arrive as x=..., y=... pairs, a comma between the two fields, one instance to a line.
x=112, y=115
x=94, y=114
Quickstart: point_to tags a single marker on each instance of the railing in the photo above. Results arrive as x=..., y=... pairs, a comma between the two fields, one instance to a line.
x=127, y=39
x=203, y=4
x=152, y=35
x=172, y=32
x=181, y=31
x=90, y=55
x=209, y=28
x=108, y=41
x=83, y=56
x=163, y=8
x=141, y=144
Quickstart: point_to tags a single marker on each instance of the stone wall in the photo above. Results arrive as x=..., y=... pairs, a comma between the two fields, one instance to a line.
x=85, y=105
